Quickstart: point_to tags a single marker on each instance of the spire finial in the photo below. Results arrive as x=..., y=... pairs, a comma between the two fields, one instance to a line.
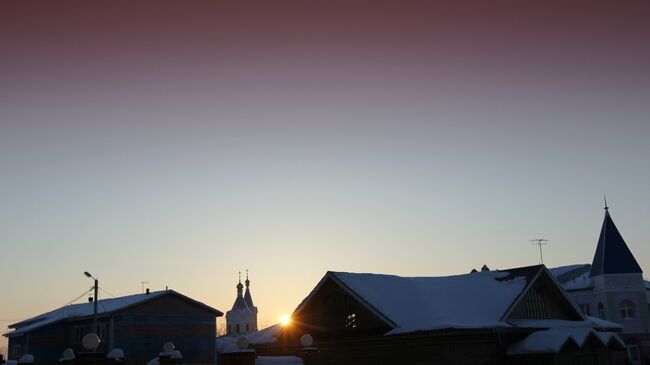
x=248, y=282
x=239, y=286
x=605, y=198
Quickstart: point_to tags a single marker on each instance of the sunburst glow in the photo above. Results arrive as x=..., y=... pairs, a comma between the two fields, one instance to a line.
x=285, y=320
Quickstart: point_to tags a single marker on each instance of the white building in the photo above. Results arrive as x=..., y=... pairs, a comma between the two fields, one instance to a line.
x=242, y=318
x=612, y=287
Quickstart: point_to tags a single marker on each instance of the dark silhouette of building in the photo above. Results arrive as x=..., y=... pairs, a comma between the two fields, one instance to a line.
x=138, y=324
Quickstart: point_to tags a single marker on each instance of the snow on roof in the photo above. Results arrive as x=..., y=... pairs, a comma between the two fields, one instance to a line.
x=601, y=323
x=226, y=344
x=426, y=303
x=590, y=322
x=581, y=282
x=573, y=277
x=611, y=340
x=263, y=336
x=556, y=339
x=278, y=360
x=548, y=341
x=561, y=270
x=104, y=306
x=266, y=335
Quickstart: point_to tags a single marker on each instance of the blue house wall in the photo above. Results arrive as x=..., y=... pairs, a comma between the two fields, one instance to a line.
x=142, y=336
x=140, y=330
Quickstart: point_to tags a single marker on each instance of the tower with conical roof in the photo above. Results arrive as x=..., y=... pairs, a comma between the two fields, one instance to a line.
x=618, y=292
x=241, y=319
x=612, y=254
x=248, y=298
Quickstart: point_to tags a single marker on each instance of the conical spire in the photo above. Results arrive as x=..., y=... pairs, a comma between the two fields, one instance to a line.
x=612, y=254
x=247, y=296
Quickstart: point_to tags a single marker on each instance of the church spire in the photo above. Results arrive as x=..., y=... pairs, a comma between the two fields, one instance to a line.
x=612, y=254
x=240, y=303
x=247, y=297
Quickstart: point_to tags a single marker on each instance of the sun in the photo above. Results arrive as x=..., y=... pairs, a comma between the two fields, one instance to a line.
x=285, y=320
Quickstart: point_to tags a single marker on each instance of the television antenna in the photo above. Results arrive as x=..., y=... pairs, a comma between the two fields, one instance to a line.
x=540, y=242
x=142, y=283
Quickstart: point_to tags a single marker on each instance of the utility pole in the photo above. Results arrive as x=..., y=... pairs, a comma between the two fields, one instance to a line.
x=539, y=242
x=95, y=324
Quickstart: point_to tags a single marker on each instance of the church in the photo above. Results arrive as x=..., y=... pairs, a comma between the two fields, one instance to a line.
x=242, y=318
x=612, y=288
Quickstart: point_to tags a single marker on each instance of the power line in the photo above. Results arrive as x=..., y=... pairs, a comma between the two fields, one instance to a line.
x=61, y=307
x=114, y=296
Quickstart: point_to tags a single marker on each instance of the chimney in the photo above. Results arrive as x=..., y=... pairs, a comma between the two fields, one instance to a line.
x=147, y=291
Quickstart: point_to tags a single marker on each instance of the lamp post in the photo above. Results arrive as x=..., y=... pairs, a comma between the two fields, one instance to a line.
x=95, y=325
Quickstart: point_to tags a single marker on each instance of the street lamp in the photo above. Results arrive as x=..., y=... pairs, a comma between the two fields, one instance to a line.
x=95, y=325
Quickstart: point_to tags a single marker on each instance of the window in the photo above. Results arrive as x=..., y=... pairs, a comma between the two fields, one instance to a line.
x=601, y=310
x=237, y=326
x=229, y=329
x=627, y=309
x=16, y=351
x=247, y=327
x=351, y=320
x=586, y=309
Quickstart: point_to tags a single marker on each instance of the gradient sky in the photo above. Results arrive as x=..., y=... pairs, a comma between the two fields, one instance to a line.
x=178, y=143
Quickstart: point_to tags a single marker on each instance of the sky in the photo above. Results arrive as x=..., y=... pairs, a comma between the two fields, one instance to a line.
x=182, y=142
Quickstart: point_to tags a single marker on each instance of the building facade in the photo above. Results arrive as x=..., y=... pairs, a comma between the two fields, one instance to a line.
x=137, y=324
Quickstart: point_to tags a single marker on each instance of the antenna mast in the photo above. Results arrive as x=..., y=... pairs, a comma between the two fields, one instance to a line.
x=540, y=242
x=142, y=283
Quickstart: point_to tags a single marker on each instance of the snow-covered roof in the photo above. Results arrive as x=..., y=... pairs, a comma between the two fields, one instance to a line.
x=559, y=271
x=263, y=336
x=556, y=339
x=104, y=306
x=589, y=322
x=573, y=277
x=266, y=335
x=226, y=344
x=409, y=304
x=611, y=339
x=441, y=302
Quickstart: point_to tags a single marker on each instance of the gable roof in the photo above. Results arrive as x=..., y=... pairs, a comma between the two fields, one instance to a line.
x=408, y=304
x=104, y=307
x=612, y=254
